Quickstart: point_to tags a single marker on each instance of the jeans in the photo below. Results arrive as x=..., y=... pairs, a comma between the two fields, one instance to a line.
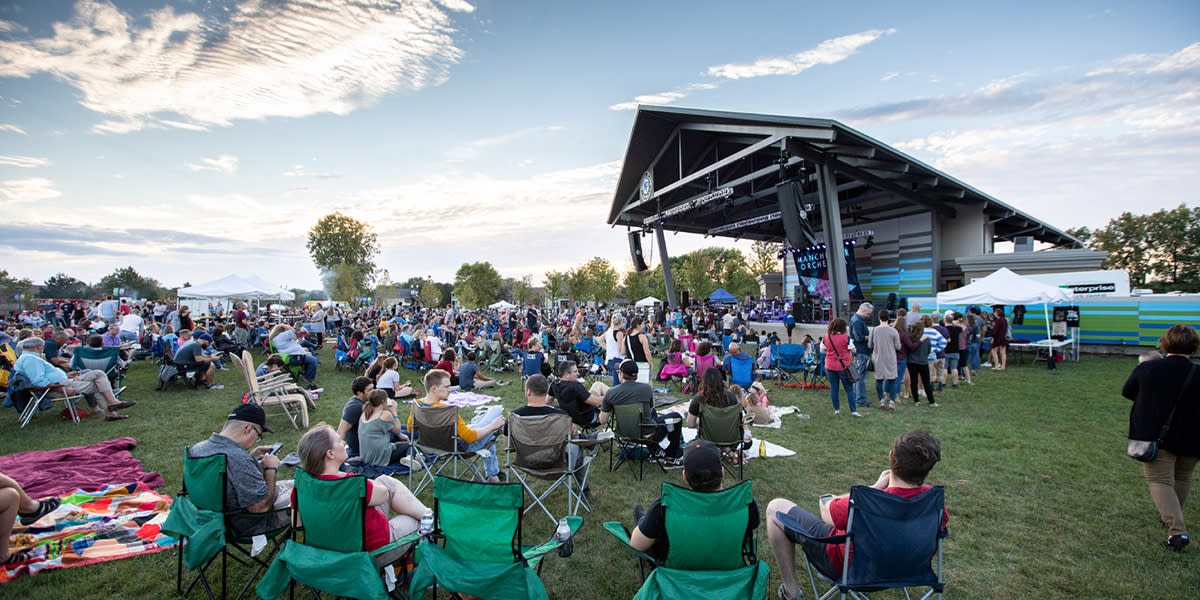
x=310, y=365
x=896, y=384
x=859, y=398
x=951, y=362
x=836, y=378
x=973, y=355
x=491, y=463
x=614, y=371
x=127, y=336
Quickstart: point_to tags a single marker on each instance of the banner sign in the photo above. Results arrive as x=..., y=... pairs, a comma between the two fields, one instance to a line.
x=746, y=223
x=689, y=205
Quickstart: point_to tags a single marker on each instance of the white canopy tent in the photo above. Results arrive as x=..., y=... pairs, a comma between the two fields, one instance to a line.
x=647, y=301
x=234, y=286
x=502, y=305
x=1008, y=288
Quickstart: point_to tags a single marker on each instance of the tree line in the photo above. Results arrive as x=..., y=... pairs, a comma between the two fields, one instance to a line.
x=1161, y=250
x=124, y=281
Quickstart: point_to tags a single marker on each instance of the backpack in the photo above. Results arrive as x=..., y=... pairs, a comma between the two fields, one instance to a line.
x=166, y=375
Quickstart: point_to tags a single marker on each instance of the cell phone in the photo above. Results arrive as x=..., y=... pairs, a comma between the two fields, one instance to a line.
x=275, y=447
x=826, y=498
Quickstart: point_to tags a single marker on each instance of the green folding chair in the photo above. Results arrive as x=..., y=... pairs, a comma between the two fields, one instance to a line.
x=199, y=519
x=332, y=558
x=483, y=555
x=712, y=551
x=724, y=428
x=633, y=438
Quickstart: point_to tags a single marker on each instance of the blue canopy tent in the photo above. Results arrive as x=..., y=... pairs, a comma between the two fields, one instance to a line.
x=722, y=297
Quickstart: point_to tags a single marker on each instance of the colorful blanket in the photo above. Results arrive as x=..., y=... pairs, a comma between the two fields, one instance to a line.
x=57, y=472
x=461, y=399
x=90, y=527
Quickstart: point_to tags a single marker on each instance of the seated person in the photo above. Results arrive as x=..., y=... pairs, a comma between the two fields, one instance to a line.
x=14, y=504
x=912, y=457
x=322, y=454
x=111, y=337
x=437, y=391
x=347, y=428
x=631, y=391
x=713, y=393
x=534, y=362
x=537, y=387
x=250, y=471
x=191, y=356
x=581, y=403
x=757, y=403
x=677, y=363
x=389, y=380
x=375, y=428
x=92, y=384
x=469, y=377
x=735, y=354
x=447, y=364
x=54, y=350
x=284, y=338
x=702, y=471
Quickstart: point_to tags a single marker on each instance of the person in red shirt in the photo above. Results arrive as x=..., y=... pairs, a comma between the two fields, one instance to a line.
x=321, y=452
x=912, y=457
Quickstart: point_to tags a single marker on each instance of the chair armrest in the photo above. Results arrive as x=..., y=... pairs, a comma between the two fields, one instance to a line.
x=794, y=526
x=411, y=538
x=42, y=388
x=618, y=531
x=532, y=552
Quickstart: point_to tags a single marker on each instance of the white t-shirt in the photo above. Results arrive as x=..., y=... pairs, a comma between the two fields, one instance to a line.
x=435, y=347
x=388, y=380
x=131, y=323
x=160, y=310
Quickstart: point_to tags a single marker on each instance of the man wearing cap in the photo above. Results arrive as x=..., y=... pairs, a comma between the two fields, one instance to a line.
x=631, y=391
x=702, y=471
x=250, y=471
x=190, y=356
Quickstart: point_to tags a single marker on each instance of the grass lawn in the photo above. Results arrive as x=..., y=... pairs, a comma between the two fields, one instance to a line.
x=1041, y=496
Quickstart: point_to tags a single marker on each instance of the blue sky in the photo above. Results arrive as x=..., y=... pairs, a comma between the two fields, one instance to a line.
x=193, y=139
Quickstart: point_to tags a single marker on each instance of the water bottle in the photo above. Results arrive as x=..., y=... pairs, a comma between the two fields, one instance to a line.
x=803, y=416
x=426, y=522
x=564, y=530
x=762, y=448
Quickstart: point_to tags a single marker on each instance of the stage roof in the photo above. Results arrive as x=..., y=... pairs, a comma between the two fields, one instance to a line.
x=695, y=154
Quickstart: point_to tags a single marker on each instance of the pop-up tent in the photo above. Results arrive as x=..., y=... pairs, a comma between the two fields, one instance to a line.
x=234, y=286
x=647, y=301
x=1008, y=288
x=722, y=296
x=502, y=305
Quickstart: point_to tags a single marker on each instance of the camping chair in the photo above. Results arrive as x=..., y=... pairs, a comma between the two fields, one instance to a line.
x=435, y=436
x=815, y=369
x=483, y=555
x=674, y=373
x=725, y=341
x=790, y=365
x=171, y=370
x=713, y=549
x=199, y=519
x=724, y=427
x=273, y=389
x=700, y=364
x=892, y=542
x=540, y=444
x=741, y=371
x=662, y=343
x=101, y=359
x=332, y=558
x=633, y=439
x=29, y=399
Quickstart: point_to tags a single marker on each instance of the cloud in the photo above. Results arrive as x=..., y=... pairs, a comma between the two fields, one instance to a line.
x=225, y=163
x=254, y=61
x=11, y=128
x=27, y=162
x=299, y=171
x=11, y=27
x=473, y=148
x=826, y=53
x=34, y=189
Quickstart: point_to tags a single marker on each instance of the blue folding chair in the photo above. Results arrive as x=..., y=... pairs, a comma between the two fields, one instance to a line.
x=789, y=363
x=893, y=541
x=741, y=371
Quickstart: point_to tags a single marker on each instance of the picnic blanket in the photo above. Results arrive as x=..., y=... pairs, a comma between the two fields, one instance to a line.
x=773, y=450
x=91, y=527
x=58, y=472
x=777, y=413
x=461, y=399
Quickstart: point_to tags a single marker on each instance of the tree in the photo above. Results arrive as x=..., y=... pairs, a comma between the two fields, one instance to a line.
x=736, y=276
x=16, y=289
x=556, y=285
x=764, y=258
x=1174, y=252
x=430, y=295
x=447, y=290
x=599, y=280
x=477, y=284
x=522, y=290
x=637, y=285
x=128, y=282
x=1082, y=234
x=344, y=284
x=63, y=286
x=337, y=239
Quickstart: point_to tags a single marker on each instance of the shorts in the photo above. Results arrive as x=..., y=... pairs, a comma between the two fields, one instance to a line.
x=814, y=551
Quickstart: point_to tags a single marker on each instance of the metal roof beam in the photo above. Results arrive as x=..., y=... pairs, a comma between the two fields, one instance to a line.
x=732, y=158
x=808, y=133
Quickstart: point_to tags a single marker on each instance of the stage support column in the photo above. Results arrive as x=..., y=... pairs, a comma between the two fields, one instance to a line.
x=835, y=259
x=666, y=266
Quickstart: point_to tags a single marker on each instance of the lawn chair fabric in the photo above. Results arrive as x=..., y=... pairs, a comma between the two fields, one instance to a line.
x=203, y=529
x=892, y=539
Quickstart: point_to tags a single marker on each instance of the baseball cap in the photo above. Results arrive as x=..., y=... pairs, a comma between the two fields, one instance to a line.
x=629, y=368
x=252, y=413
x=701, y=458
x=201, y=335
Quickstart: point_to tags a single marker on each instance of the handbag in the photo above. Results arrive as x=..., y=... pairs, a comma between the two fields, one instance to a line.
x=1145, y=451
x=851, y=375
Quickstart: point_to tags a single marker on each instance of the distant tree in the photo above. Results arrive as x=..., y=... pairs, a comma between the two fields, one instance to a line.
x=447, y=290
x=63, y=286
x=601, y=279
x=1082, y=234
x=556, y=285
x=337, y=239
x=736, y=276
x=1159, y=250
x=430, y=295
x=694, y=273
x=637, y=285
x=578, y=285
x=344, y=286
x=764, y=258
x=477, y=284
x=13, y=289
x=522, y=290
x=128, y=282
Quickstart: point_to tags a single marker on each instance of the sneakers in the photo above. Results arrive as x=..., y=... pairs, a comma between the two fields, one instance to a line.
x=670, y=463
x=986, y=364
x=783, y=595
x=1176, y=542
x=216, y=387
x=858, y=414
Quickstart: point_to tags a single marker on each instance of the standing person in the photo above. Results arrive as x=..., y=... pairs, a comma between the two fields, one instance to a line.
x=913, y=315
x=954, y=340
x=938, y=362
x=837, y=360
x=241, y=321
x=1166, y=407
x=862, y=354
x=999, y=354
x=884, y=342
x=614, y=347
x=974, y=338
x=316, y=325
x=918, y=363
x=638, y=350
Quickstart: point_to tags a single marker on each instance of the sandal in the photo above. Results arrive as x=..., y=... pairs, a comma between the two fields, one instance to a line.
x=25, y=555
x=44, y=508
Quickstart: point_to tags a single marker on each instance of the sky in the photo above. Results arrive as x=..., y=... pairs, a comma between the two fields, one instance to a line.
x=192, y=139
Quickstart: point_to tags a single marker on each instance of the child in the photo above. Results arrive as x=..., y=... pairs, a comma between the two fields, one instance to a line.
x=756, y=403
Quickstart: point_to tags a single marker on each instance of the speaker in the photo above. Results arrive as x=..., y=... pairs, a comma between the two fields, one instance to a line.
x=891, y=303
x=904, y=303
x=686, y=303
x=635, y=250
x=1018, y=314
x=795, y=222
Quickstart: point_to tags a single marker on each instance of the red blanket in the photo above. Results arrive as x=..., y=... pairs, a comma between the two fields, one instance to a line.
x=59, y=472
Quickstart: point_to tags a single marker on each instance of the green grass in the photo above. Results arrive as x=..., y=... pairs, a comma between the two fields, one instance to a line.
x=1041, y=497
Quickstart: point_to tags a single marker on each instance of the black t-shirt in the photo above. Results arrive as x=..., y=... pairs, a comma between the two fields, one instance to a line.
x=572, y=397
x=952, y=339
x=352, y=414
x=694, y=405
x=654, y=526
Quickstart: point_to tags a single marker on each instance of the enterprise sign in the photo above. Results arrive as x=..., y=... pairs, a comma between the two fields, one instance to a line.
x=689, y=205
x=746, y=223
x=1092, y=288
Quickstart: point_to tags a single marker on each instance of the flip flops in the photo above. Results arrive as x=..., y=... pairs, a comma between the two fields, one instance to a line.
x=117, y=417
x=44, y=508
